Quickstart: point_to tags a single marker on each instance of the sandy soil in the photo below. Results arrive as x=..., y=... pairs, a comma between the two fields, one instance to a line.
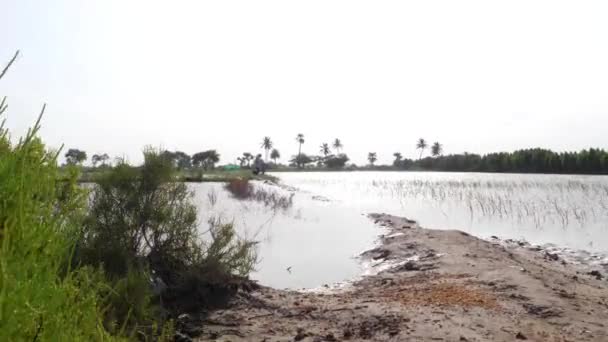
x=435, y=285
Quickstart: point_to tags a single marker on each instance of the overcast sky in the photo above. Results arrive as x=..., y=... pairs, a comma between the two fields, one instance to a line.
x=478, y=76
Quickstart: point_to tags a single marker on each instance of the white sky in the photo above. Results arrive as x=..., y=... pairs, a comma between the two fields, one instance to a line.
x=478, y=76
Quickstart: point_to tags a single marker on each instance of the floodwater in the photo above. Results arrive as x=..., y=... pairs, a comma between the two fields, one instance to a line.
x=316, y=241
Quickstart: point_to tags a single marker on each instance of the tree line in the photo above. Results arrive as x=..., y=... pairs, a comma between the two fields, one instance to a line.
x=535, y=160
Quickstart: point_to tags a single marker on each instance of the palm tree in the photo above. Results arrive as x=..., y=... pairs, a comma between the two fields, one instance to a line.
x=274, y=155
x=436, y=149
x=421, y=145
x=266, y=145
x=372, y=157
x=300, y=140
x=338, y=145
x=325, y=149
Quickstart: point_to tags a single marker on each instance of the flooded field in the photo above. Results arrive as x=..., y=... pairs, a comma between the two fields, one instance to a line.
x=314, y=240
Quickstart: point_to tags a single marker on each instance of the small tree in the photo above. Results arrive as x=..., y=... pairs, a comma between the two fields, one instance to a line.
x=75, y=156
x=372, y=157
x=96, y=158
x=436, y=149
x=206, y=159
x=274, y=155
x=247, y=158
x=141, y=221
x=398, y=158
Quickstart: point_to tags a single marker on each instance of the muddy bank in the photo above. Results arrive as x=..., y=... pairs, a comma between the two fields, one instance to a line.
x=431, y=285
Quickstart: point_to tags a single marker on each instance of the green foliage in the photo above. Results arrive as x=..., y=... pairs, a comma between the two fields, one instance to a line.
x=75, y=156
x=537, y=160
x=142, y=226
x=40, y=298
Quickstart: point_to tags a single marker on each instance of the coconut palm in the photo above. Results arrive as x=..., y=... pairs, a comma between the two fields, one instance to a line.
x=324, y=148
x=436, y=149
x=372, y=157
x=421, y=145
x=274, y=155
x=266, y=145
x=300, y=140
x=338, y=145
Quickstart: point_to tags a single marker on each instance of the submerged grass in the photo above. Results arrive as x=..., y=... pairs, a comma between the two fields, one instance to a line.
x=242, y=189
x=562, y=202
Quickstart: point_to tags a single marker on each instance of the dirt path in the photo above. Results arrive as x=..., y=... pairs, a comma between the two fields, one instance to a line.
x=438, y=285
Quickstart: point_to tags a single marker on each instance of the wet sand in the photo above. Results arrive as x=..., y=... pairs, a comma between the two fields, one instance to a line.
x=431, y=285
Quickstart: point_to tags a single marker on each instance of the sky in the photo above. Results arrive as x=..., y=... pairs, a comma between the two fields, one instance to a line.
x=477, y=76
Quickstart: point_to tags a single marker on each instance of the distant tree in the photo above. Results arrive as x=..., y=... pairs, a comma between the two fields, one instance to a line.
x=248, y=157
x=436, y=149
x=178, y=159
x=183, y=160
x=75, y=156
x=398, y=158
x=96, y=158
x=300, y=140
x=372, y=157
x=324, y=148
x=104, y=159
x=206, y=159
x=336, y=162
x=266, y=145
x=421, y=145
x=274, y=155
x=338, y=145
x=301, y=160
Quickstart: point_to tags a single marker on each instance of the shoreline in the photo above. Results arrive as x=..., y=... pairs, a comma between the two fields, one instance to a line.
x=443, y=285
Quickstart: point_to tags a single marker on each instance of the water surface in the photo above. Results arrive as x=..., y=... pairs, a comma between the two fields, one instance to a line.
x=319, y=238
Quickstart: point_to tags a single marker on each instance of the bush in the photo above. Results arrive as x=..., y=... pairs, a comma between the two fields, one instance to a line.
x=336, y=162
x=142, y=221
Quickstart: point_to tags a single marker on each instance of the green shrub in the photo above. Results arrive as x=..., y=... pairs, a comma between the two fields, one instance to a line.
x=143, y=224
x=39, y=298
